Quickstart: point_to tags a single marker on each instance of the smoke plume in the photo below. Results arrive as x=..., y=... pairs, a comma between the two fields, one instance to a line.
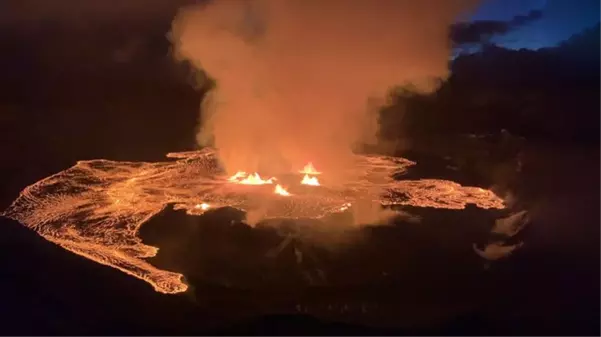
x=301, y=80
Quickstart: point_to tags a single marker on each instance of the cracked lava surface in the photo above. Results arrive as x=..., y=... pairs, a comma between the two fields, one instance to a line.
x=95, y=208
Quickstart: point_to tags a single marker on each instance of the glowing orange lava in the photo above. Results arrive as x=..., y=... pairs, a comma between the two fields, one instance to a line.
x=239, y=175
x=96, y=208
x=252, y=179
x=312, y=181
x=309, y=169
x=281, y=191
x=345, y=207
x=202, y=206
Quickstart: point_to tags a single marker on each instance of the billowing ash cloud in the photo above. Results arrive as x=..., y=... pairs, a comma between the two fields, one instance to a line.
x=300, y=80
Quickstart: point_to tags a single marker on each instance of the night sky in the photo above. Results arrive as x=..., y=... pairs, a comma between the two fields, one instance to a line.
x=560, y=19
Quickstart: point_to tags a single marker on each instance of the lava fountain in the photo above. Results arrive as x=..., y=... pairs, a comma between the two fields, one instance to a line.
x=281, y=191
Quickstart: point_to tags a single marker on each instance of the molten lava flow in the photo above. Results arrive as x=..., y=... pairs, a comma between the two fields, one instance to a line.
x=252, y=179
x=281, y=191
x=309, y=169
x=312, y=181
x=202, y=206
x=255, y=179
x=239, y=175
x=95, y=208
x=345, y=207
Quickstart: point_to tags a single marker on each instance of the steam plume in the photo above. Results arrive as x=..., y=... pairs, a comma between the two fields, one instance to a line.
x=300, y=80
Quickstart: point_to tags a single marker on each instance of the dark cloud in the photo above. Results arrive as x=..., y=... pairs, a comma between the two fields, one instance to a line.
x=520, y=20
x=482, y=30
